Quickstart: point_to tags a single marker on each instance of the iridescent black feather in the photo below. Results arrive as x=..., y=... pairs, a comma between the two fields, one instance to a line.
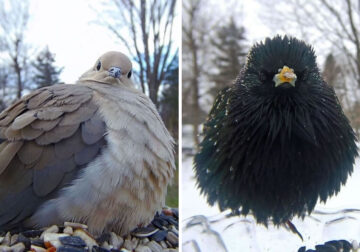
x=275, y=151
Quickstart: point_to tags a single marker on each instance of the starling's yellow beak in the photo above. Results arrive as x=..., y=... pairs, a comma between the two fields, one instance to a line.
x=285, y=75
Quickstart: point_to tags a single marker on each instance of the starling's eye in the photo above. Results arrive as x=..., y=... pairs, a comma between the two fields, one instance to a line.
x=129, y=74
x=304, y=74
x=263, y=75
x=98, y=66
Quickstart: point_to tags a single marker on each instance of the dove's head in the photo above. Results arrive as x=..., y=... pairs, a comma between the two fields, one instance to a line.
x=111, y=68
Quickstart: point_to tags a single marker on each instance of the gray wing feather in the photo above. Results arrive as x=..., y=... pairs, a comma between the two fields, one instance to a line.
x=29, y=133
x=49, y=135
x=45, y=125
x=67, y=147
x=82, y=114
x=30, y=152
x=87, y=154
x=93, y=129
x=47, y=179
x=57, y=134
x=8, y=153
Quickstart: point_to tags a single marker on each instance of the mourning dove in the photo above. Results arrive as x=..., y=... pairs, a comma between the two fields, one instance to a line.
x=95, y=152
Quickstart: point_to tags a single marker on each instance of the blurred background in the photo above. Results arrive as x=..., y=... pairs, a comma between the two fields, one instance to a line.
x=47, y=42
x=216, y=37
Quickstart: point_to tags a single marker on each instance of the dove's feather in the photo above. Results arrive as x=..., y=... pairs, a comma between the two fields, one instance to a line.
x=96, y=152
x=33, y=148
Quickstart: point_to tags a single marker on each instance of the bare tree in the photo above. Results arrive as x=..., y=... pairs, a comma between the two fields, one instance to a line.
x=145, y=27
x=14, y=18
x=169, y=101
x=4, y=80
x=191, y=65
x=201, y=20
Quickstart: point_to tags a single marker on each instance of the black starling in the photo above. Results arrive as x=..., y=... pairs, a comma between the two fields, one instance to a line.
x=277, y=140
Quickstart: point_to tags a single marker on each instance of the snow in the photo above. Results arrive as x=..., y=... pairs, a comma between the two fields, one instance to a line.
x=205, y=228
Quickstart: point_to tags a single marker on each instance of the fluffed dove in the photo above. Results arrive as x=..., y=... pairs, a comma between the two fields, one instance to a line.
x=95, y=152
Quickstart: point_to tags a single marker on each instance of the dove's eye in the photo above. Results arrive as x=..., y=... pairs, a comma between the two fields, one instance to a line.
x=129, y=74
x=98, y=66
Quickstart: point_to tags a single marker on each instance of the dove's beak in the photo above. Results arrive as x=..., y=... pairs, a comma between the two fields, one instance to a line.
x=115, y=72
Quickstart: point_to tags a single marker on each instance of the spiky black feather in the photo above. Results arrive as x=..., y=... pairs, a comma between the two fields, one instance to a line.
x=275, y=151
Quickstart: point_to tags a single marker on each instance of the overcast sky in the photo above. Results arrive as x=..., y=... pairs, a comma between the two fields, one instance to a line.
x=69, y=29
x=251, y=14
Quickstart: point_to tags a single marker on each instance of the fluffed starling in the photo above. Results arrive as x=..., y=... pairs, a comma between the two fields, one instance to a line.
x=277, y=140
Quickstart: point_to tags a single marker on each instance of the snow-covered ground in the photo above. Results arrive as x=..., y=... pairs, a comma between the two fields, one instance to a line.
x=206, y=229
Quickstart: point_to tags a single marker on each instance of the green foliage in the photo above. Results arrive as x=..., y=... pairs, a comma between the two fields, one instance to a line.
x=169, y=110
x=172, y=197
x=46, y=73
